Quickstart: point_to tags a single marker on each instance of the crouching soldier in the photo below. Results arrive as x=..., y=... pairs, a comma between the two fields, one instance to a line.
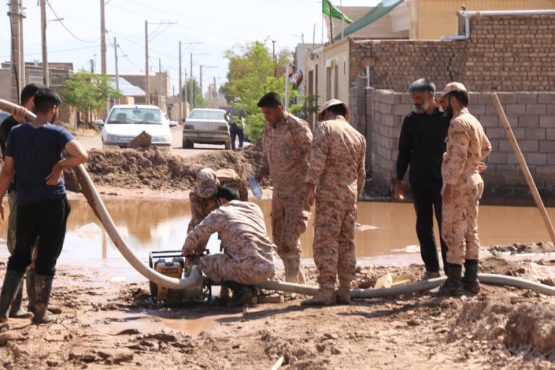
x=248, y=253
x=203, y=197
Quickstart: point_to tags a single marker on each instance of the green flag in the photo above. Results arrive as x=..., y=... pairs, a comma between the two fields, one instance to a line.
x=331, y=11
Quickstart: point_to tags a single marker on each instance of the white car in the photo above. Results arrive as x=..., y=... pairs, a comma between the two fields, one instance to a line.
x=125, y=122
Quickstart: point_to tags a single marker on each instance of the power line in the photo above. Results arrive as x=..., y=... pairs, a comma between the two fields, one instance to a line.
x=65, y=27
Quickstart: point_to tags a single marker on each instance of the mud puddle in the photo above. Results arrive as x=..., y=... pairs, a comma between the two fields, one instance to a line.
x=385, y=231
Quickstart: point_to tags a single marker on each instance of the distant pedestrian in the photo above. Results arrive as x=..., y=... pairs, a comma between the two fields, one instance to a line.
x=335, y=180
x=421, y=148
x=286, y=146
x=38, y=152
x=236, y=117
x=467, y=148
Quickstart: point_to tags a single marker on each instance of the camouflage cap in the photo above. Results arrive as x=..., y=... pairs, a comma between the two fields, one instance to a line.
x=332, y=103
x=206, y=184
x=452, y=87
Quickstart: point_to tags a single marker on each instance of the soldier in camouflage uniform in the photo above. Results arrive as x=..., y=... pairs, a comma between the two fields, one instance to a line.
x=335, y=180
x=203, y=197
x=248, y=254
x=467, y=148
x=286, y=145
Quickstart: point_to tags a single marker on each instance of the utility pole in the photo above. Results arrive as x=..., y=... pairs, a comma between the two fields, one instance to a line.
x=274, y=56
x=200, y=79
x=116, y=57
x=180, y=109
x=17, y=57
x=102, y=39
x=45, y=72
x=147, y=72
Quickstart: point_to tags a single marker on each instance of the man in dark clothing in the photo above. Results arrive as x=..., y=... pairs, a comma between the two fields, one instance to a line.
x=27, y=101
x=235, y=117
x=421, y=147
x=38, y=152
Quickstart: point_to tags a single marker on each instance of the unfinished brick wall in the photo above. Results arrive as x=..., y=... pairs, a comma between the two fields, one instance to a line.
x=503, y=53
x=532, y=117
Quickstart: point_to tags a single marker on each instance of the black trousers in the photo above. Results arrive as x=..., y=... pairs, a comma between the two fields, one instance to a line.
x=235, y=131
x=46, y=220
x=427, y=200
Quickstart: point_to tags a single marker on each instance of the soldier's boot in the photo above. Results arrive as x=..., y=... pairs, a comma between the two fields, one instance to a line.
x=344, y=293
x=43, y=288
x=470, y=280
x=12, y=284
x=324, y=297
x=30, y=285
x=16, y=311
x=293, y=269
x=453, y=285
x=242, y=294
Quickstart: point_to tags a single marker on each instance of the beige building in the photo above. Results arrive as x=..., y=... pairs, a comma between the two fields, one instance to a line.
x=332, y=70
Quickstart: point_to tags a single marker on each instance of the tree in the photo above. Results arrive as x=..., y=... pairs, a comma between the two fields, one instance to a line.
x=250, y=76
x=88, y=92
x=192, y=89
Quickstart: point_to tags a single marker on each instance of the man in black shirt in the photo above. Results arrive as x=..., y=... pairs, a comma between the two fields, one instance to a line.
x=27, y=101
x=421, y=147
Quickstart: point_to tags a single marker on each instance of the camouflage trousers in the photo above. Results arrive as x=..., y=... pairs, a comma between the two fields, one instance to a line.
x=460, y=221
x=249, y=271
x=334, y=243
x=289, y=221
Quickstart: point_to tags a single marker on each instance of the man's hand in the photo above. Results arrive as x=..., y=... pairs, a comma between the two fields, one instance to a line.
x=19, y=114
x=55, y=175
x=310, y=196
x=2, y=211
x=399, y=191
x=482, y=167
x=448, y=194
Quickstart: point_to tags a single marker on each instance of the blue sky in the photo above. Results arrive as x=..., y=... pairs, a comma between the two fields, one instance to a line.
x=218, y=25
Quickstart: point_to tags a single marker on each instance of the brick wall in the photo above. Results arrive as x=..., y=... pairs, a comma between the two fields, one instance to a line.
x=503, y=53
x=532, y=117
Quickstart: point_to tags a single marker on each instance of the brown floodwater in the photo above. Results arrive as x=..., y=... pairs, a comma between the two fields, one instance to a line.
x=384, y=228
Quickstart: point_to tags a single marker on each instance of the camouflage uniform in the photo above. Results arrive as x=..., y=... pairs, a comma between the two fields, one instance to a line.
x=201, y=207
x=248, y=256
x=286, y=147
x=337, y=170
x=467, y=148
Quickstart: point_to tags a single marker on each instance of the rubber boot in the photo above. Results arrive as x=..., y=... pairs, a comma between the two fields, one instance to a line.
x=293, y=270
x=453, y=284
x=43, y=288
x=12, y=284
x=344, y=293
x=470, y=280
x=242, y=294
x=16, y=311
x=324, y=297
x=30, y=285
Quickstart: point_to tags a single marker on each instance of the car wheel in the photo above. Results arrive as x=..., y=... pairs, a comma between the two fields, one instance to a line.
x=188, y=144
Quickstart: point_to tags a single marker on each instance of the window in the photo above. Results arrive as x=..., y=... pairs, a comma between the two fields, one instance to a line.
x=135, y=115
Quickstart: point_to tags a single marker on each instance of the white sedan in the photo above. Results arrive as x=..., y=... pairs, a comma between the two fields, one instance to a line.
x=125, y=122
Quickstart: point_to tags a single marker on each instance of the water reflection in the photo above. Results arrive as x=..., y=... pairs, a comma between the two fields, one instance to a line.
x=384, y=228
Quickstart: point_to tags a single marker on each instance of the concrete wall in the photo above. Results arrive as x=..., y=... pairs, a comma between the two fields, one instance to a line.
x=503, y=53
x=532, y=116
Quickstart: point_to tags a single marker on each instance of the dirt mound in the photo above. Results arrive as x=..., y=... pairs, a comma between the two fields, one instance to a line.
x=522, y=327
x=519, y=248
x=154, y=169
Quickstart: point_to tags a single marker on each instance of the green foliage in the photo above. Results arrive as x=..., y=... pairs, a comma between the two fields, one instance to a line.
x=251, y=75
x=193, y=89
x=87, y=91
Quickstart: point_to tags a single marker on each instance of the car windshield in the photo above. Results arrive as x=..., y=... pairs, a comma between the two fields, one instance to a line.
x=207, y=114
x=135, y=116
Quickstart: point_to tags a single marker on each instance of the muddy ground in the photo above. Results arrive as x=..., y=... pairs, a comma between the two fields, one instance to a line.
x=117, y=325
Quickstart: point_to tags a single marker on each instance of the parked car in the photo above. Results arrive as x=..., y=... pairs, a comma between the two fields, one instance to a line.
x=206, y=126
x=125, y=122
